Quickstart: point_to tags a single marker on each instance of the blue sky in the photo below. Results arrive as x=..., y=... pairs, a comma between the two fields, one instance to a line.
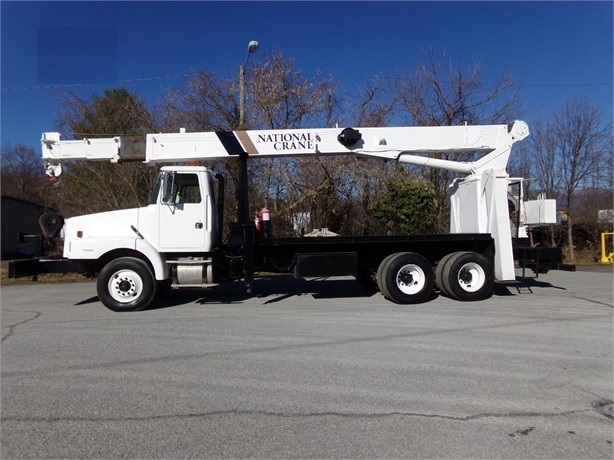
x=555, y=49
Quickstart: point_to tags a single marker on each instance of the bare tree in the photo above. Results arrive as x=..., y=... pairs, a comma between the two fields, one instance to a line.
x=374, y=104
x=543, y=158
x=207, y=102
x=583, y=145
x=362, y=180
x=538, y=162
x=204, y=103
x=87, y=187
x=116, y=112
x=278, y=97
x=23, y=175
x=443, y=93
x=281, y=97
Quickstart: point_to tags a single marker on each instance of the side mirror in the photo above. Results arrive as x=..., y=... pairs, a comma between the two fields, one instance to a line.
x=168, y=185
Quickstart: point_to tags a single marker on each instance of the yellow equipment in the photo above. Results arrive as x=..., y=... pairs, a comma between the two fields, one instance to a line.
x=609, y=257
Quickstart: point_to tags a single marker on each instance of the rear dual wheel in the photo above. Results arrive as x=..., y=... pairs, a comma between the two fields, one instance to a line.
x=465, y=276
x=381, y=272
x=406, y=278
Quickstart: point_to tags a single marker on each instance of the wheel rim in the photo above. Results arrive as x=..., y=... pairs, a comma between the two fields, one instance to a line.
x=125, y=286
x=471, y=277
x=410, y=279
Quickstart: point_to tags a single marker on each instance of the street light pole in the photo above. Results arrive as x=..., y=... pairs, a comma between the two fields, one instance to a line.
x=251, y=48
x=246, y=224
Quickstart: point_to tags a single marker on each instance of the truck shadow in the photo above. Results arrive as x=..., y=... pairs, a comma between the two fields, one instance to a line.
x=318, y=288
x=522, y=285
x=278, y=288
x=271, y=289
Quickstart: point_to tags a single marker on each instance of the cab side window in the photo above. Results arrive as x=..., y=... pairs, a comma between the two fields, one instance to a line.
x=186, y=189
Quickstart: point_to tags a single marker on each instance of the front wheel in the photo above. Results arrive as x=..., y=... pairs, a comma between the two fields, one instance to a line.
x=468, y=276
x=408, y=278
x=126, y=284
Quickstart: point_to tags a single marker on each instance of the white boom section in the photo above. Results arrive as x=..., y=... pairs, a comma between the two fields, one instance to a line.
x=109, y=148
x=397, y=143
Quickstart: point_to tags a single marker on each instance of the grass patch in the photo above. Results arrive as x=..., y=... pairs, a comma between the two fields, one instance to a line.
x=42, y=278
x=582, y=257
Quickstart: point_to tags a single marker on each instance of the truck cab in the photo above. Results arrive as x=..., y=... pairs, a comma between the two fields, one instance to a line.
x=180, y=217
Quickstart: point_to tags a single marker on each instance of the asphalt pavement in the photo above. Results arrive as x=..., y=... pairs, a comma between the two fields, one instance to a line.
x=310, y=369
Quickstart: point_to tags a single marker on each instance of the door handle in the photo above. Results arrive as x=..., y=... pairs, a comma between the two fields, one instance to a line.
x=198, y=225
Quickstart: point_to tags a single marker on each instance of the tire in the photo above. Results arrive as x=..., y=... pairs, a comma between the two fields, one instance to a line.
x=126, y=284
x=408, y=278
x=379, y=276
x=439, y=274
x=468, y=276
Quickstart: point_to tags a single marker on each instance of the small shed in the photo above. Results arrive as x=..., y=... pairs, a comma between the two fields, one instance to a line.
x=19, y=217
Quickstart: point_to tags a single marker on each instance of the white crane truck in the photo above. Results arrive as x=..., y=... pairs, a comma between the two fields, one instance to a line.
x=176, y=240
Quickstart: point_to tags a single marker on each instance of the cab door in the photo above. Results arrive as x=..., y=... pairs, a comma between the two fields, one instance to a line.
x=182, y=223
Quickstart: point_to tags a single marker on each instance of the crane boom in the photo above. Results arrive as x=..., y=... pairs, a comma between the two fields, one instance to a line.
x=403, y=144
